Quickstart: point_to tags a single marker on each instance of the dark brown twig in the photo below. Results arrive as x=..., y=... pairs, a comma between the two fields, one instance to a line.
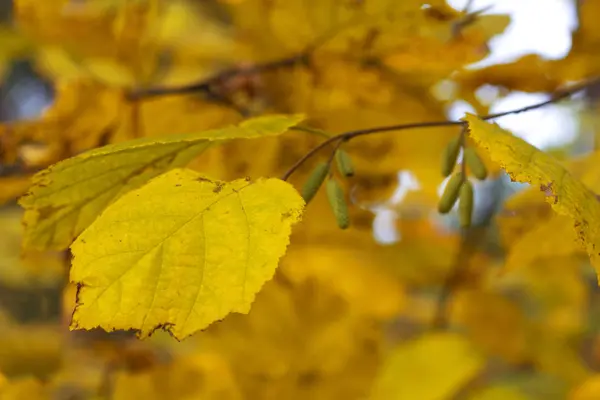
x=346, y=136
x=208, y=85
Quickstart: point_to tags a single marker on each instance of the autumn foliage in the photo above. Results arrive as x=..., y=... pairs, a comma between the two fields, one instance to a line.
x=199, y=206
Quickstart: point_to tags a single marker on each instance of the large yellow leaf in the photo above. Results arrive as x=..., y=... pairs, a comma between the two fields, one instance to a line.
x=66, y=197
x=525, y=163
x=181, y=252
x=432, y=367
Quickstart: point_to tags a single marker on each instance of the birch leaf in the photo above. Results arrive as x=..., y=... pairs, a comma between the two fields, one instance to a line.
x=181, y=252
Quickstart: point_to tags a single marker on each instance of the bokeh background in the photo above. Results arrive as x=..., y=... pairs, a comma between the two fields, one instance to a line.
x=403, y=305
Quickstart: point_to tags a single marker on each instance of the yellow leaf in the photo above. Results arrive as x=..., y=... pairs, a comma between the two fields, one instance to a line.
x=31, y=350
x=181, y=252
x=307, y=343
x=531, y=231
x=31, y=270
x=589, y=390
x=25, y=388
x=67, y=197
x=432, y=367
x=530, y=73
x=205, y=376
x=499, y=393
x=494, y=323
x=525, y=163
x=554, y=237
x=125, y=43
x=350, y=272
x=13, y=187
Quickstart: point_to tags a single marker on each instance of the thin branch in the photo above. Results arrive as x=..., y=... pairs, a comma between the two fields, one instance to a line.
x=352, y=134
x=346, y=136
x=208, y=85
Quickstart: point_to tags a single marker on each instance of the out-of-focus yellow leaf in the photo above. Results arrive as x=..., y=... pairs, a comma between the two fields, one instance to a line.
x=125, y=44
x=525, y=163
x=499, y=393
x=181, y=252
x=561, y=294
x=307, y=343
x=28, y=270
x=493, y=323
x=464, y=47
x=588, y=390
x=431, y=367
x=520, y=215
x=351, y=274
x=30, y=350
x=65, y=198
x=25, y=388
x=13, y=187
x=206, y=376
x=530, y=73
x=399, y=33
x=583, y=60
x=554, y=237
x=560, y=358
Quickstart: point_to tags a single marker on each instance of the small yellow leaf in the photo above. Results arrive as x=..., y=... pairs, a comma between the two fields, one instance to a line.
x=181, y=252
x=67, y=197
x=432, y=367
x=525, y=163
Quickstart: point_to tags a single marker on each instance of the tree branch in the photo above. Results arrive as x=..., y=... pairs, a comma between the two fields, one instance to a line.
x=346, y=136
x=208, y=85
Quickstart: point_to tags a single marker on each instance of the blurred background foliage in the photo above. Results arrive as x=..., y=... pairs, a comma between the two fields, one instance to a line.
x=400, y=306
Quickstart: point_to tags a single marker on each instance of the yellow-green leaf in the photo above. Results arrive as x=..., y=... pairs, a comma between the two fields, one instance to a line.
x=432, y=367
x=65, y=198
x=525, y=163
x=181, y=252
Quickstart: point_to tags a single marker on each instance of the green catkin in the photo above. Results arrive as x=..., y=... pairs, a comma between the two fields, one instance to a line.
x=337, y=201
x=465, y=204
x=344, y=163
x=450, y=193
x=475, y=164
x=450, y=156
x=314, y=181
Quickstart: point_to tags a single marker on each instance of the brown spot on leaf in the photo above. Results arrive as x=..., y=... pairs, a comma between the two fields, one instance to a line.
x=548, y=191
x=218, y=187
